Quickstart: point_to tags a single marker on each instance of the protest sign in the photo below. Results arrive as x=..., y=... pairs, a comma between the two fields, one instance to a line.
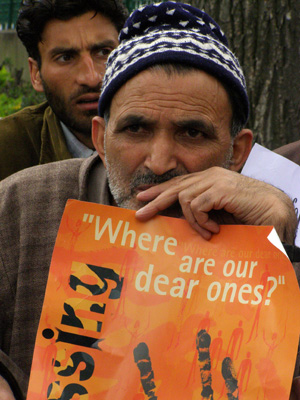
x=152, y=311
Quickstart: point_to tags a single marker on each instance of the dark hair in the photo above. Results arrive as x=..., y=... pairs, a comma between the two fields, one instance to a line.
x=34, y=15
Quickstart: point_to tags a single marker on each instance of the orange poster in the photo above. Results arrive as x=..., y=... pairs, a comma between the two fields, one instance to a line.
x=150, y=310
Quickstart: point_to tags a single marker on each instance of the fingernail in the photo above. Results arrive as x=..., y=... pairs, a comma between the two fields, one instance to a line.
x=140, y=211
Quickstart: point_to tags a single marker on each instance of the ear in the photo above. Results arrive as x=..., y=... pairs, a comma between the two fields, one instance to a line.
x=242, y=145
x=35, y=75
x=98, y=131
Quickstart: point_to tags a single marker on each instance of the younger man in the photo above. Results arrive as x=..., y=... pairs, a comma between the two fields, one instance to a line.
x=68, y=42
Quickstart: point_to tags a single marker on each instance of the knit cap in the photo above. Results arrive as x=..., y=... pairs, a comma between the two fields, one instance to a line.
x=172, y=32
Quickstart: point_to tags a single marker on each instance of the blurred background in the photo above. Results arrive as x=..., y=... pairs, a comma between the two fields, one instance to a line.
x=265, y=36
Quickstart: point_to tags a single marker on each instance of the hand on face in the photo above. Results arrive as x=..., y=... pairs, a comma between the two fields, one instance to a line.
x=165, y=124
x=216, y=196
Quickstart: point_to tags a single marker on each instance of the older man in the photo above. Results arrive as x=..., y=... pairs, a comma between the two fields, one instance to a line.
x=172, y=138
x=68, y=42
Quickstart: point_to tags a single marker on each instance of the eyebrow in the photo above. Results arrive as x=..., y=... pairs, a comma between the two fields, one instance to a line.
x=133, y=119
x=104, y=43
x=198, y=124
x=73, y=50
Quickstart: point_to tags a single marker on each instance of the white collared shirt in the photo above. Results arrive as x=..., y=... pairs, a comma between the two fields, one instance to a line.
x=75, y=147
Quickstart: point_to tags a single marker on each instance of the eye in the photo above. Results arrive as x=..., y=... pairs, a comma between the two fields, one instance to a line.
x=103, y=52
x=134, y=129
x=64, y=58
x=133, y=126
x=194, y=133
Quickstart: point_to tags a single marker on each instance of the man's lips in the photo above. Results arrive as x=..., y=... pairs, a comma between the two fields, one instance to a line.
x=88, y=101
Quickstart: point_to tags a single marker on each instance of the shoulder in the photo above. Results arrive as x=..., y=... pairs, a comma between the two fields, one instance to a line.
x=42, y=176
x=31, y=114
x=290, y=151
x=30, y=137
x=39, y=187
x=32, y=201
x=23, y=127
x=56, y=180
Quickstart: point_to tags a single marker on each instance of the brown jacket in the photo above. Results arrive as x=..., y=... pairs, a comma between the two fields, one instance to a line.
x=30, y=137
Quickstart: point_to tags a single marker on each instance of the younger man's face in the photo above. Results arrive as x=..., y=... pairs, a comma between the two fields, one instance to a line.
x=73, y=56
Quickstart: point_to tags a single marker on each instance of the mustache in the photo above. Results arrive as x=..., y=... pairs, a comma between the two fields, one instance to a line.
x=150, y=178
x=86, y=90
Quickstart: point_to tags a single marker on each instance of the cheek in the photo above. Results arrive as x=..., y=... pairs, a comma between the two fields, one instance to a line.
x=58, y=80
x=204, y=158
x=128, y=157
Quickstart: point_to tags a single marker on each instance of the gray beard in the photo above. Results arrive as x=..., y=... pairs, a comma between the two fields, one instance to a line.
x=124, y=200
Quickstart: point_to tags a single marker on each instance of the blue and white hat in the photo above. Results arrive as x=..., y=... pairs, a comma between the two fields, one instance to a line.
x=172, y=32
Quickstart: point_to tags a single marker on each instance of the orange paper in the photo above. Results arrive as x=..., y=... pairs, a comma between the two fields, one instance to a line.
x=152, y=311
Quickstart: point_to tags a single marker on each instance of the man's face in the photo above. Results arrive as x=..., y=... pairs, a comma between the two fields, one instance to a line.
x=73, y=55
x=161, y=127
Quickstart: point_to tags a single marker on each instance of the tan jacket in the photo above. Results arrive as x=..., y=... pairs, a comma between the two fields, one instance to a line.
x=30, y=137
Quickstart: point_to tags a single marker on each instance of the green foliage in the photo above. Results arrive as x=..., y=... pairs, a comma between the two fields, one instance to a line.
x=4, y=76
x=15, y=93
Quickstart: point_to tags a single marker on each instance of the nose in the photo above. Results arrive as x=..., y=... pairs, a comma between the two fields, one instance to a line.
x=161, y=154
x=89, y=72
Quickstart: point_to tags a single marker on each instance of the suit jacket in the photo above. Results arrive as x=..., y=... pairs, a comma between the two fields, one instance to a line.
x=30, y=137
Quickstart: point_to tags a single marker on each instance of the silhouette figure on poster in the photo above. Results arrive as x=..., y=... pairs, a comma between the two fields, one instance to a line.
x=215, y=350
x=235, y=342
x=176, y=335
x=274, y=343
x=244, y=373
x=266, y=286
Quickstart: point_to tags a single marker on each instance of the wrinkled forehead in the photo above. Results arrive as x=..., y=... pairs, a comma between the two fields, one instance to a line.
x=156, y=93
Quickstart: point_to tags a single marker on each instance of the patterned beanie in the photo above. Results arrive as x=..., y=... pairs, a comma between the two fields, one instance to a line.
x=173, y=32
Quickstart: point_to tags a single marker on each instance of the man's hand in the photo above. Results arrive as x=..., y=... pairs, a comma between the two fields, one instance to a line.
x=220, y=196
x=5, y=390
